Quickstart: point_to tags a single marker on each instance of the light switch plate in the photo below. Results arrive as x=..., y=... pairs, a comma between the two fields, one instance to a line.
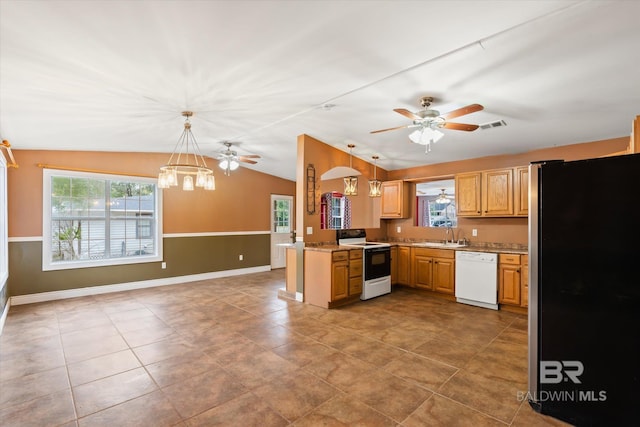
x=309, y=230
x=474, y=232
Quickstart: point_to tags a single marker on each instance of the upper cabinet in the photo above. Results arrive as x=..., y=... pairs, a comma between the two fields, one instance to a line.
x=493, y=193
x=497, y=192
x=395, y=199
x=468, y=194
x=521, y=191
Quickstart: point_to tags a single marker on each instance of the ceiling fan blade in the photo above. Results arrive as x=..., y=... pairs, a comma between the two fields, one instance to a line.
x=463, y=111
x=460, y=126
x=407, y=113
x=384, y=130
x=251, y=156
x=241, y=159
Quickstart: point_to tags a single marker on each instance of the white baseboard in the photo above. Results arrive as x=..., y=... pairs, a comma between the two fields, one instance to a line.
x=96, y=290
x=5, y=312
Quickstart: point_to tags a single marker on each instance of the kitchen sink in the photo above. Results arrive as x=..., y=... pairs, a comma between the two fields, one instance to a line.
x=443, y=245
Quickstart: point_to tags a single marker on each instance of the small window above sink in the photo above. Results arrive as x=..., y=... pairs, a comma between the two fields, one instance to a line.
x=436, y=203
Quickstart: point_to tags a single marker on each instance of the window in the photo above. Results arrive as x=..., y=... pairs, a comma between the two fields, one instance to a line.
x=95, y=219
x=281, y=215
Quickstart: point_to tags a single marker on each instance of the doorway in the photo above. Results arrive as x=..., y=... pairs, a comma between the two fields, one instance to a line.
x=281, y=228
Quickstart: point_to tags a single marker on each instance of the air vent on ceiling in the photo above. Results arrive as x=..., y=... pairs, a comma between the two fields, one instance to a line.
x=491, y=125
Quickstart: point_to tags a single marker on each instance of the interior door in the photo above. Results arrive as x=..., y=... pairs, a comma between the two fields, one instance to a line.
x=281, y=227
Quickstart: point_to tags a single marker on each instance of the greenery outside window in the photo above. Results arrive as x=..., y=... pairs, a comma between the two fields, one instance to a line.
x=96, y=219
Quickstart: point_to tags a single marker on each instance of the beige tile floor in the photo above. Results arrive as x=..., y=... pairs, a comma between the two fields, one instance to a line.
x=230, y=352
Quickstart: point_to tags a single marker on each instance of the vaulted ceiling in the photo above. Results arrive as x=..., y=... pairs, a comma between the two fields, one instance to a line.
x=115, y=75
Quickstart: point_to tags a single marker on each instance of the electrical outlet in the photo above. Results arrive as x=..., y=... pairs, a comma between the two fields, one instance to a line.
x=398, y=229
x=240, y=257
x=474, y=232
x=163, y=265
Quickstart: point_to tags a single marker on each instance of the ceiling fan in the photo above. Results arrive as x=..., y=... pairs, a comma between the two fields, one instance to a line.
x=229, y=159
x=427, y=121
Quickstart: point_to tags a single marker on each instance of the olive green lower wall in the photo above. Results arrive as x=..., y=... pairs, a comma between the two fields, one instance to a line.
x=184, y=256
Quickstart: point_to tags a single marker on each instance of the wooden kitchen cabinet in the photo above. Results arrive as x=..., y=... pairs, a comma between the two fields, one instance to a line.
x=340, y=275
x=355, y=272
x=403, y=264
x=395, y=199
x=509, y=279
x=486, y=193
x=497, y=192
x=394, y=264
x=468, y=194
x=434, y=269
x=328, y=279
x=521, y=191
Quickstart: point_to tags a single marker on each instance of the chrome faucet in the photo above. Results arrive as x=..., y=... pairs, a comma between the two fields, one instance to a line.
x=453, y=238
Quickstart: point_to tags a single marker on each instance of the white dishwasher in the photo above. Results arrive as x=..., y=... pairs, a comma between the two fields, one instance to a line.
x=477, y=278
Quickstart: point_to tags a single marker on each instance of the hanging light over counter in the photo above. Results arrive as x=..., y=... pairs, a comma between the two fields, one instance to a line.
x=351, y=182
x=186, y=160
x=375, y=186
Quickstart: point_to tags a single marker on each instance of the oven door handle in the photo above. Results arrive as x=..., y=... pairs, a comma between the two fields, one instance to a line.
x=385, y=249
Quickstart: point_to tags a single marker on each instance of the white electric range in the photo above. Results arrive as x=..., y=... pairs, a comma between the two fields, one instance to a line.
x=376, y=262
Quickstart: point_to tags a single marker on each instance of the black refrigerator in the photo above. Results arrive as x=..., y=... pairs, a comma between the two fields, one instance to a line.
x=584, y=290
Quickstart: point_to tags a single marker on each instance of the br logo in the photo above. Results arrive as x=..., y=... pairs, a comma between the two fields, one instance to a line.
x=555, y=371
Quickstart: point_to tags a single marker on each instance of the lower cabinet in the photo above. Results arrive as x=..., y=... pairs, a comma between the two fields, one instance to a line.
x=340, y=275
x=433, y=269
x=355, y=272
x=332, y=278
x=403, y=265
x=513, y=286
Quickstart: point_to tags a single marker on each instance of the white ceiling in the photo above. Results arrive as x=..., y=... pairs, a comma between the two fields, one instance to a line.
x=115, y=75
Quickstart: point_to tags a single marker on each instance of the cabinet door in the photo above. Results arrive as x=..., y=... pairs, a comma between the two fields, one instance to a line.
x=443, y=275
x=521, y=196
x=394, y=265
x=339, y=280
x=468, y=194
x=404, y=264
x=509, y=284
x=524, y=294
x=394, y=200
x=423, y=272
x=497, y=192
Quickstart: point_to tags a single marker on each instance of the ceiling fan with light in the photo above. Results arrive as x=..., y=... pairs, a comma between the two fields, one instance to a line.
x=229, y=159
x=427, y=122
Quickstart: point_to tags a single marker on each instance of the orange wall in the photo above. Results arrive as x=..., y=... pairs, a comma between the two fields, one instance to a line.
x=241, y=202
x=325, y=157
x=493, y=230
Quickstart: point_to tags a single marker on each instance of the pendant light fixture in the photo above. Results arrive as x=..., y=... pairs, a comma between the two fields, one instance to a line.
x=351, y=182
x=186, y=160
x=375, y=186
x=443, y=198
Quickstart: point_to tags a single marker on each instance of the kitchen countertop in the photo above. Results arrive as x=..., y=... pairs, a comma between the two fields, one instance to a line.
x=494, y=248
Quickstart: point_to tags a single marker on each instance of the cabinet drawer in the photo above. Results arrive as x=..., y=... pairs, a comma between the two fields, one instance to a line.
x=355, y=254
x=355, y=268
x=437, y=253
x=509, y=259
x=340, y=256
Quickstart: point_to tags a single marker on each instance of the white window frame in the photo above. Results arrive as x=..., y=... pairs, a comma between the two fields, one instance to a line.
x=47, y=238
